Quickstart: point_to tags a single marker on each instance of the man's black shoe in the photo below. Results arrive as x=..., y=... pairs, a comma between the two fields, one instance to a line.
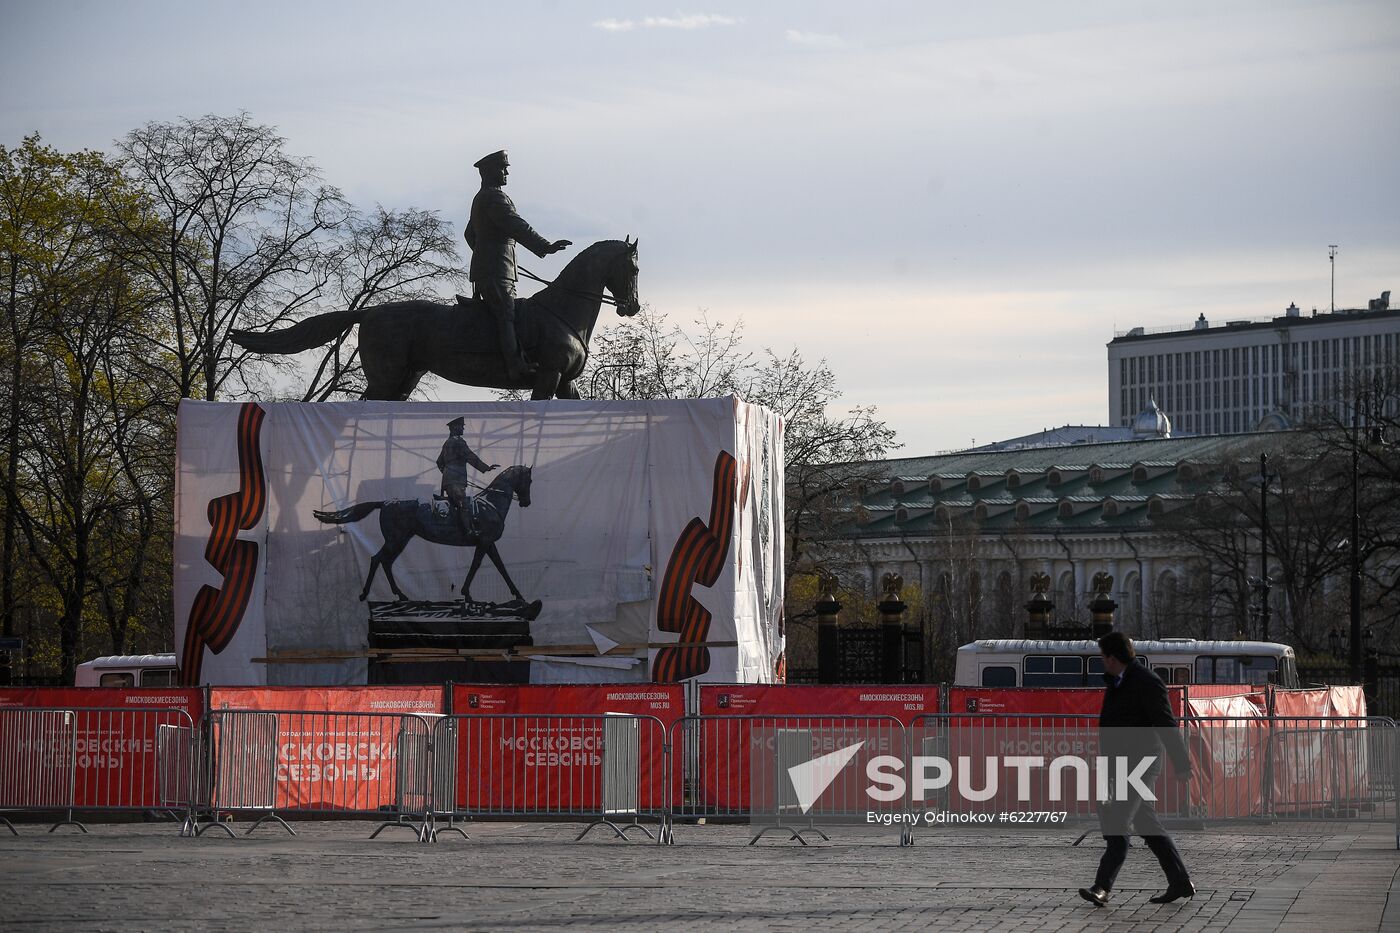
x=1174, y=892
x=1095, y=895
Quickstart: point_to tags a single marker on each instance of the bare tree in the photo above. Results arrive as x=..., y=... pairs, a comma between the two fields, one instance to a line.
x=1361, y=441
x=244, y=239
x=1308, y=503
x=383, y=256
x=825, y=452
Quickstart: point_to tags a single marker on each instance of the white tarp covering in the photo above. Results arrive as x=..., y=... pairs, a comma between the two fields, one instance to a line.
x=649, y=524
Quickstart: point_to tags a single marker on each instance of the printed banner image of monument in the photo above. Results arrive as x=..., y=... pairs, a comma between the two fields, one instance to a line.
x=386, y=542
x=474, y=522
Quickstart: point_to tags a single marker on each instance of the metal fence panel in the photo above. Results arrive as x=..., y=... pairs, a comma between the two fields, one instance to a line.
x=90, y=759
x=568, y=766
x=38, y=759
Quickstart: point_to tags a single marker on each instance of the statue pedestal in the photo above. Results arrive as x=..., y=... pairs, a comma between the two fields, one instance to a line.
x=453, y=624
x=448, y=633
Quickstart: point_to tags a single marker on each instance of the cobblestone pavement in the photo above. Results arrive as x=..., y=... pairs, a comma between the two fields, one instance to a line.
x=533, y=876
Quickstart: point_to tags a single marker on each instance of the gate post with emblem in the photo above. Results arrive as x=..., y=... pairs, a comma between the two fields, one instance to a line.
x=892, y=629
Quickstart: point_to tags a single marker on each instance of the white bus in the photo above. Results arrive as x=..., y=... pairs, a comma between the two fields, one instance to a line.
x=1019, y=662
x=127, y=670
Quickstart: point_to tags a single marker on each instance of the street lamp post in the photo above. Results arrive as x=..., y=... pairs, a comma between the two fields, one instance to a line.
x=1355, y=646
x=1264, y=581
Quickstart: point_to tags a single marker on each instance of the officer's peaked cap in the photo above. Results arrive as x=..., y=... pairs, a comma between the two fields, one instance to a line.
x=455, y=423
x=493, y=160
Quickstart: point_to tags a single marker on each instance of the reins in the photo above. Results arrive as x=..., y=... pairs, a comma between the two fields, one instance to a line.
x=572, y=291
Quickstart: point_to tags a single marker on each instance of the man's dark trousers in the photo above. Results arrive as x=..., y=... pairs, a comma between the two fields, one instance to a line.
x=1135, y=815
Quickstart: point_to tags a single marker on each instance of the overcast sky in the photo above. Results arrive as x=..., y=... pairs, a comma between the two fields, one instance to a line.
x=955, y=203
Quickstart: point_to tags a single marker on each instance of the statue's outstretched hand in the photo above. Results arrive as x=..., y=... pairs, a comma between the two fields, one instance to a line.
x=494, y=466
x=558, y=245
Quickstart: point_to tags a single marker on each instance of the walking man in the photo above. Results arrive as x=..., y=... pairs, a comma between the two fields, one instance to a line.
x=453, y=461
x=1135, y=723
x=492, y=232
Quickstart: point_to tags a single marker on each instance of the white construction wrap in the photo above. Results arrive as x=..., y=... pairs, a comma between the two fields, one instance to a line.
x=649, y=524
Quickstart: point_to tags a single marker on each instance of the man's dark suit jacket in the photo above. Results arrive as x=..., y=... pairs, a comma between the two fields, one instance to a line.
x=1139, y=716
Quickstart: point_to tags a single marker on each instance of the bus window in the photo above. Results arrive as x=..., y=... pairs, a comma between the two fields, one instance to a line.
x=1048, y=671
x=1095, y=666
x=154, y=677
x=123, y=679
x=1173, y=674
x=1204, y=674
x=999, y=676
x=1252, y=669
x=1258, y=670
x=1227, y=671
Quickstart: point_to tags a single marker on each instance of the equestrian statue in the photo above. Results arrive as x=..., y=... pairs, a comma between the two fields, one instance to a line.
x=493, y=339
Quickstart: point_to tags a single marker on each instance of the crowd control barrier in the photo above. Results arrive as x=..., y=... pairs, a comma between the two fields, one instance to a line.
x=613, y=769
x=94, y=758
x=738, y=767
x=273, y=762
x=972, y=738
x=1304, y=768
x=622, y=770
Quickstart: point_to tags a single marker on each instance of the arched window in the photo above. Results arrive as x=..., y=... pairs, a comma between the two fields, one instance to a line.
x=1068, y=600
x=1165, y=607
x=1004, y=615
x=1129, y=614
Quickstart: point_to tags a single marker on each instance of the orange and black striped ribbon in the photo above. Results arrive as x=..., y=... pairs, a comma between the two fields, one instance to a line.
x=216, y=612
x=698, y=557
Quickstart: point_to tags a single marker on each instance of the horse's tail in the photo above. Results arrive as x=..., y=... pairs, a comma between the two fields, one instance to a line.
x=345, y=516
x=303, y=335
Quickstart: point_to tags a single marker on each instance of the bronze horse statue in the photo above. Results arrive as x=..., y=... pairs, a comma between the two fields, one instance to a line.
x=402, y=341
x=402, y=520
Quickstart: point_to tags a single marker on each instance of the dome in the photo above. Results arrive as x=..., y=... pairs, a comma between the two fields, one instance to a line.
x=1274, y=421
x=1151, y=422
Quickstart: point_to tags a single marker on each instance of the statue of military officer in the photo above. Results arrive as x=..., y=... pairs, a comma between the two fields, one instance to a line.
x=453, y=461
x=492, y=232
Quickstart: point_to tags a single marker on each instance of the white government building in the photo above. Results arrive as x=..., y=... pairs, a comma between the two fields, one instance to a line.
x=1240, y=375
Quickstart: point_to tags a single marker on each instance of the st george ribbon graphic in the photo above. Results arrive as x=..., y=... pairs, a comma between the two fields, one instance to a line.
x=216, y=612
x=698, y=557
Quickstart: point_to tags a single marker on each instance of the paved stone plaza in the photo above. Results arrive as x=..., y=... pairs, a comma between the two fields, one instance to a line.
x=532, y=876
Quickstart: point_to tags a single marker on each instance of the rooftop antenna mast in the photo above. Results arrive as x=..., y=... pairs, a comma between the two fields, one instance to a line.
x=1332, y=258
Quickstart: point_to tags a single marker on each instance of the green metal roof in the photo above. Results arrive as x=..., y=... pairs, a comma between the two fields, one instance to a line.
x=1133, y=500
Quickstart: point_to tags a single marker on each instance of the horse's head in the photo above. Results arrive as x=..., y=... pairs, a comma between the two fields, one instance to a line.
x=522, y=485
x=621, y=279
